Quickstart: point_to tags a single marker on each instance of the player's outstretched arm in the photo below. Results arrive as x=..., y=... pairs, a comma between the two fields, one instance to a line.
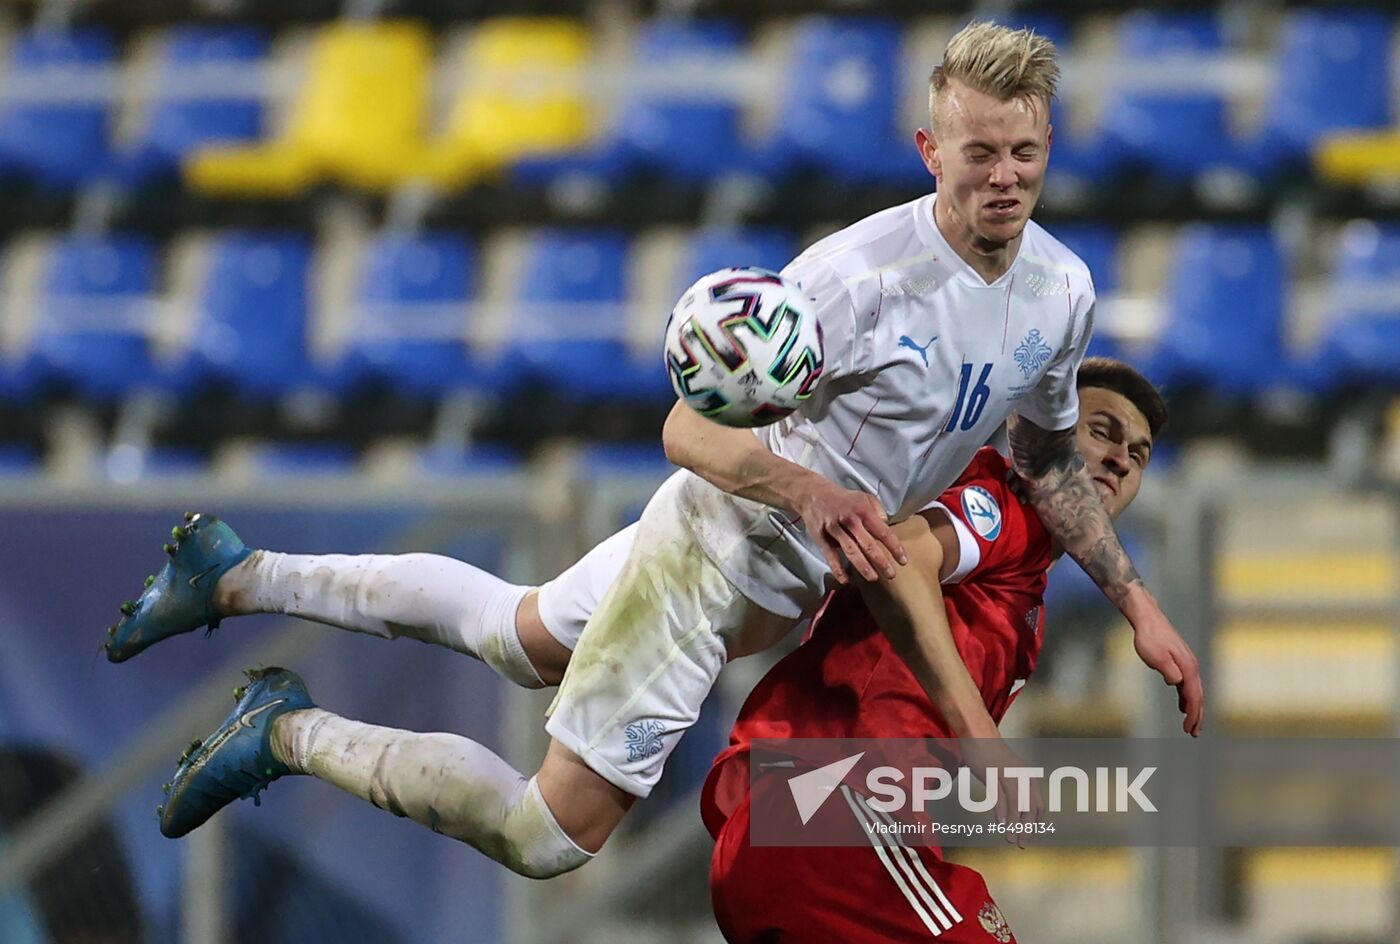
x=843, y=521
x=1063, y=495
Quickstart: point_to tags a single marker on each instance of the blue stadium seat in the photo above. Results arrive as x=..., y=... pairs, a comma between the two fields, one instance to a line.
x=181, y=122
x=838, y=112
x=1175, y=134
x=411, y=320
x=611, y=460
x=570, y=324
x=252, y=319
x=479, y=459
x=125, y=464
x=1363, y=351
x=719, y=248
x=1097, y=245
x=690, y=138
x=19, y=462
x=57, y=143
x=93, y=319
x=296, y=460
x=1224, y=312
x=1361, y=344
x=18, y=377
x=1332, y=71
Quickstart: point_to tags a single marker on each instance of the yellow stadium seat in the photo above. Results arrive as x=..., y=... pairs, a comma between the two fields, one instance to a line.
x=1359, y=158
x=1318, y=676
x=359, y=119
x=1064, y=894
x=1347, y=577
x=521, y=96
x=1332, y=894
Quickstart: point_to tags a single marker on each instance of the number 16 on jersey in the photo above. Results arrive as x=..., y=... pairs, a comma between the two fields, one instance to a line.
x=970, y=405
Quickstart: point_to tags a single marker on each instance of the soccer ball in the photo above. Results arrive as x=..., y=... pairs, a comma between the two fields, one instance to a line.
x=743, y=347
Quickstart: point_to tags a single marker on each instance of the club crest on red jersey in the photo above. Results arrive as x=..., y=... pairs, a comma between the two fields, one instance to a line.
x=993, y=923
x=982, y=511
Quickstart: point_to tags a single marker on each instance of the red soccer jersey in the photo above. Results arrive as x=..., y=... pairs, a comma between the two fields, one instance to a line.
x=846, y=680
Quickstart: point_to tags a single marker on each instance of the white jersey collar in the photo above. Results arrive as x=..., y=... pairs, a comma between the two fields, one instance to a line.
x=943, y=251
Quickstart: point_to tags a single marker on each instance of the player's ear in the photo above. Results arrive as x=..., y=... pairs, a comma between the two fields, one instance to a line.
x=928, y=151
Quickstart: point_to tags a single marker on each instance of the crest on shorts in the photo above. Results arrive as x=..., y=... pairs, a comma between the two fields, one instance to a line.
x=993, y=923
x=643, y=739
x=1033, y=352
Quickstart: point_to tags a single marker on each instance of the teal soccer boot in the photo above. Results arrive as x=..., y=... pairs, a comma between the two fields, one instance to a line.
x=236, y=761
x=180, y=599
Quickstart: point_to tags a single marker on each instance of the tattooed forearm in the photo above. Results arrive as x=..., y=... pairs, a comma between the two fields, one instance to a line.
x=1062, y=492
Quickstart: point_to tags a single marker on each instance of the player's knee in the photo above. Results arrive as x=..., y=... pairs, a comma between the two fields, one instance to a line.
x=537, y=846
x=548, y=657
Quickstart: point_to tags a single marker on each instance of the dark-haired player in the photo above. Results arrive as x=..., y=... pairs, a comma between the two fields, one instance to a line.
x=990, y=552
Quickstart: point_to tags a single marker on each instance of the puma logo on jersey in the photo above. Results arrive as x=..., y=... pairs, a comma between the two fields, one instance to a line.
x=906, y=341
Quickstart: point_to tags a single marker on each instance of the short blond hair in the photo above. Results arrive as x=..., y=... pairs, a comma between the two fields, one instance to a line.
x=998, y=61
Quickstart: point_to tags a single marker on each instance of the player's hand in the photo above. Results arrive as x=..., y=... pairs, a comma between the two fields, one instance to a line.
x=850, y=524
x=1161, y=647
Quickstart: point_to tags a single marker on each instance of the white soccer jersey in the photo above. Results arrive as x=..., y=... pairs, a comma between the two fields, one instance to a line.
x=924, y=361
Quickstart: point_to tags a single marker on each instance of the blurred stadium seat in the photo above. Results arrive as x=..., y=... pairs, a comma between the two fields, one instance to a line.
x=837, y=110
x=360, y=118
x=1098, y=246
x=221, y=63
x=1361, y=344
x=54, y=122
x=19, y=461
x=301, y=460
x=1175, y=134
x=521, y=99
x=720, y=248
x=691, y=135
x=250, y=329
x=1333, y=72
x=569, y=330
x=1224, y=312
x=688, y=138
x=93, y=317
x=412, y=313
x=438, y=462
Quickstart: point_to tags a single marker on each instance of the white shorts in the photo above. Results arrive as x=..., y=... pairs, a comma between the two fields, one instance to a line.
x=652, y=651
x=567, y=601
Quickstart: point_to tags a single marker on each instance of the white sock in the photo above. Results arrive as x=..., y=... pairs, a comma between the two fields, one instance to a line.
x=427, y=597
x=450, y=784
